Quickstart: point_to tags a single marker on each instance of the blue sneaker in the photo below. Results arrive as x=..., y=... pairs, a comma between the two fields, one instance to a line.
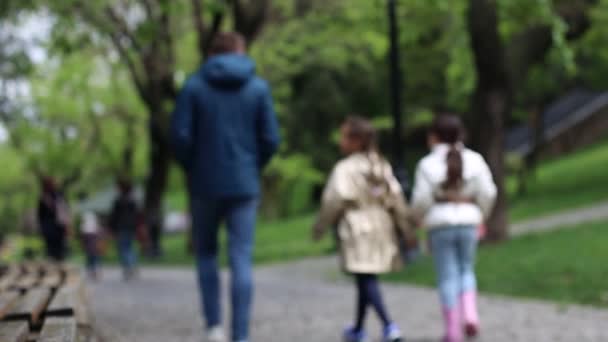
x=392, y=333
x=351, y=335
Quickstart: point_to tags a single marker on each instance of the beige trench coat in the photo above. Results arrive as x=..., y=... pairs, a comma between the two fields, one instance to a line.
x=364, y=201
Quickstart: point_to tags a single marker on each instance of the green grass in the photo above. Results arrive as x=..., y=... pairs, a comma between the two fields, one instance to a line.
x=571, y=182
x=567, y=266
x=275, y=242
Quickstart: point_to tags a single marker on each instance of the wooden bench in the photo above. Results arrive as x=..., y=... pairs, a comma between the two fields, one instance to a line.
x=43, y=302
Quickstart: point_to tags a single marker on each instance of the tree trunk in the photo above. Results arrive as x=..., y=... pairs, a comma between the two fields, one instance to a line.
x=527, y=171
x=128, y=152
x=492, y=102
x=302, y=7
x=490, y=108
x=537, y=125
x=156, y=183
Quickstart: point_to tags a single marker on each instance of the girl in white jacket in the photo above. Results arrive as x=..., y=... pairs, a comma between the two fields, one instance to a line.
x=454, y=193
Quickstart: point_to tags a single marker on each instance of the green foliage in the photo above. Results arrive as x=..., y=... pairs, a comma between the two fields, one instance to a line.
x=332, y=62
x=87, y=115
x=325, y=60
x=591, y=50
x=17, y=191
x=292, y=179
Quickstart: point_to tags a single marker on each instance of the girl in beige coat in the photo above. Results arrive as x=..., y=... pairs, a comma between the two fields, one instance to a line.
x=365, y=203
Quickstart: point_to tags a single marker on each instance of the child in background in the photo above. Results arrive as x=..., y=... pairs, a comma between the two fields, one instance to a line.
x=90, y=231
x=365, y=203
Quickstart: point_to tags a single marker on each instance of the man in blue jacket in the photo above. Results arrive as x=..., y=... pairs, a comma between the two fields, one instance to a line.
x=225, y=131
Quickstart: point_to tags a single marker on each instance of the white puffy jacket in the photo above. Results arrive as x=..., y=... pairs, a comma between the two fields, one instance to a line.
x=478, y=185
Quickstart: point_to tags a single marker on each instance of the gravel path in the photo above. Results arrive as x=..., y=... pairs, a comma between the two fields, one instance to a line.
x=307, y=301
x=570, y=218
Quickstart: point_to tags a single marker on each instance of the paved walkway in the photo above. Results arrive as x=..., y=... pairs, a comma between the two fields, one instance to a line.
x=307, y=301
x=570, y=218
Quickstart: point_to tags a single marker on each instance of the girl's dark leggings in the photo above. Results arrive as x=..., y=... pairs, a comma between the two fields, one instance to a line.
x=369, y=294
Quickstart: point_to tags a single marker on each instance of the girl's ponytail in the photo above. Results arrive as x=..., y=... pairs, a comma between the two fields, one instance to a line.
x=448, y=129
x=454, y=163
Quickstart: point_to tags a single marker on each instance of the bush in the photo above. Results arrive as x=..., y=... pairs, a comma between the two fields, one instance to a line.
x=289, y=184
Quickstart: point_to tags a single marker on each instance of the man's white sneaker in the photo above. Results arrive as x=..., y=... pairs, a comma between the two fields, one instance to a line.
x=216, y=334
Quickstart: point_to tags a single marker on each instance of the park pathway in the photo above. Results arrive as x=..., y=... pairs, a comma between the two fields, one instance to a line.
x=571, y=218
x=308, y=301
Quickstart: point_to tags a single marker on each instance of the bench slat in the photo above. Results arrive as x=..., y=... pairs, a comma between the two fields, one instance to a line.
x=31, y=268
x=58, y=329
x=51, y=279
x=7, y=301
x=70, y=269
x=73, y=279
x=31, y=306
x=9, y=277
x=69, y=301
x=14, y=331
x=26, y=282
x=64, y=302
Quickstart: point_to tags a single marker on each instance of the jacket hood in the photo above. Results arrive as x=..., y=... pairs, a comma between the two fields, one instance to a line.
x=228, y=70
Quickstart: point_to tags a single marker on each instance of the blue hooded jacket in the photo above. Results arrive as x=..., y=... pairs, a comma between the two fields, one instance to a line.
x=224, y=129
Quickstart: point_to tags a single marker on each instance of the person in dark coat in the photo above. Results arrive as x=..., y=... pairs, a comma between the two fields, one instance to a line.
x=123, y=224
x=224, y=132
x=52, y=220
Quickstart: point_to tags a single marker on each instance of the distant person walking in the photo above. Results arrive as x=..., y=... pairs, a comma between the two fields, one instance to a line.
x=454, y=193
x=90, y=234
x=225, y=132
x=123, y=224
x=364, y=202
x=53, y=219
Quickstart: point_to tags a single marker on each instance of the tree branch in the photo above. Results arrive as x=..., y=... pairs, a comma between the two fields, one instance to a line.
x=486, y=43
x=71, y=179
x=531, y=46
x=116, y=35
x=148, y=8
x=167, y=38
x=122, y=27
x=249, y=19
x=526, y=49
x=199, y=24
x=218, y=18
x=124, y=54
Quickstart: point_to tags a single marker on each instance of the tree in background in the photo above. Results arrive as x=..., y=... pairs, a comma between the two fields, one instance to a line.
x=144, y=34
x=15, y=66
x=324, y=59
x=502, y=67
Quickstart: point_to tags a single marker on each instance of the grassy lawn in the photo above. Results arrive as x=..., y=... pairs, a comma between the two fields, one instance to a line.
x=275, y=242
x=567, y=266
x=574, y=181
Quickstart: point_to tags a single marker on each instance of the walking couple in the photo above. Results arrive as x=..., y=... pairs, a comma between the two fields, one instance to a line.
x=225, y=131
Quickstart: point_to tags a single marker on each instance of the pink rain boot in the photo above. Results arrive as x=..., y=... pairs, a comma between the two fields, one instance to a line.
x=470, y=314
x=452, y=325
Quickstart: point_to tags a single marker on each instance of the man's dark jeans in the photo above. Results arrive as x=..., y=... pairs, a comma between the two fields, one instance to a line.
x=240, y=216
